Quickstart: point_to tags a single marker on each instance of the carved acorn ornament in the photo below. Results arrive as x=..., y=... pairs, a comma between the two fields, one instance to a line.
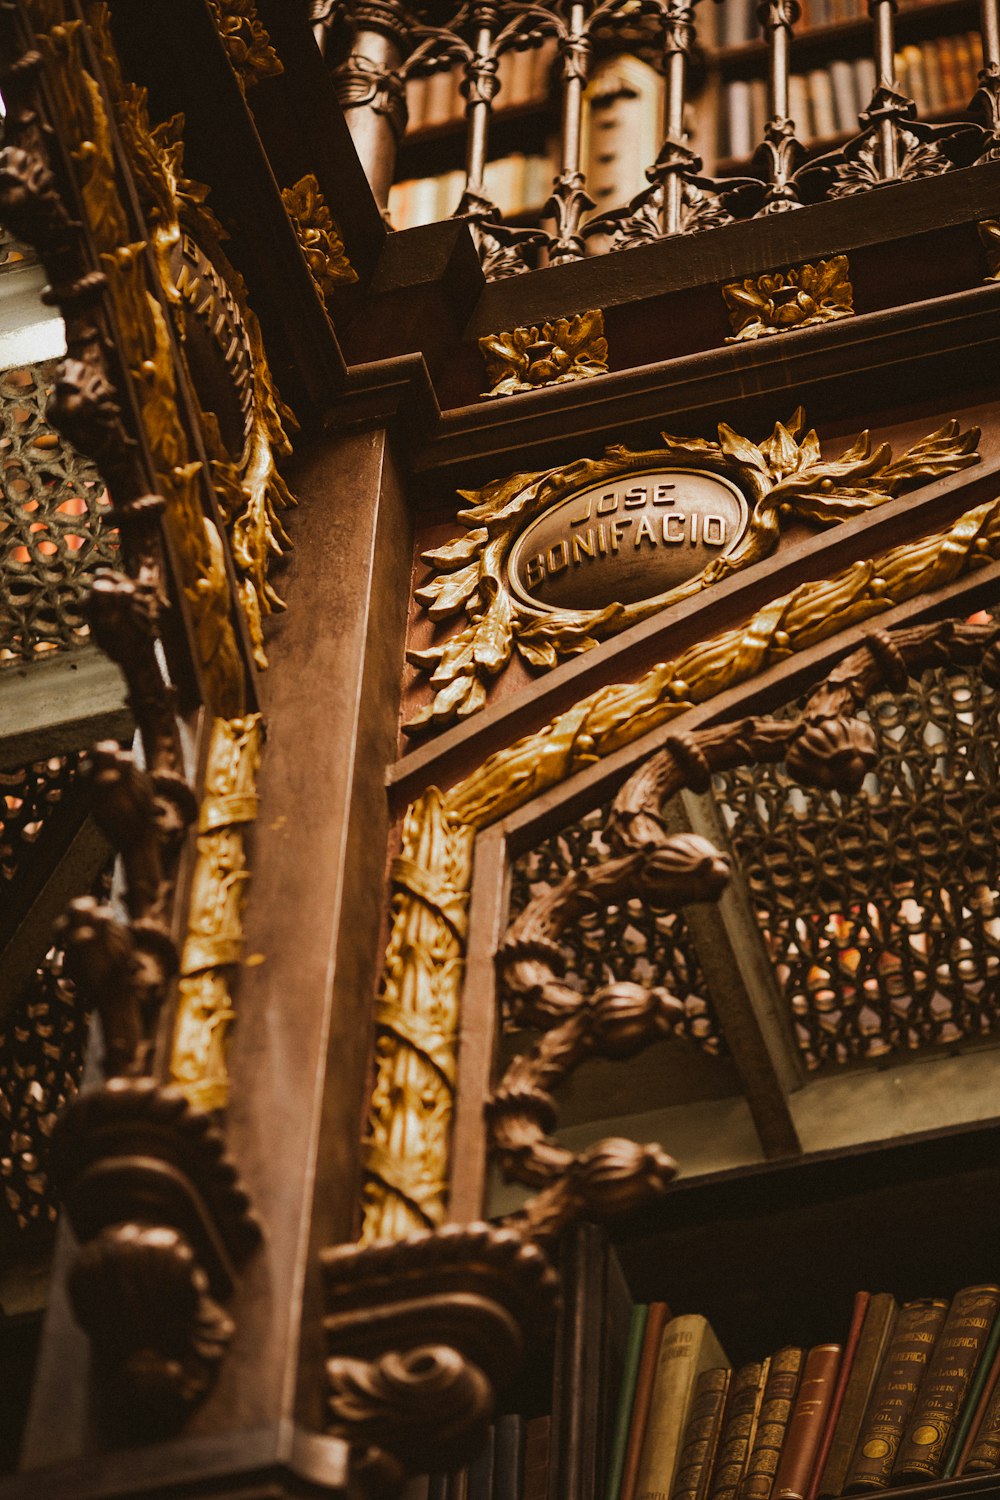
x=833, y=754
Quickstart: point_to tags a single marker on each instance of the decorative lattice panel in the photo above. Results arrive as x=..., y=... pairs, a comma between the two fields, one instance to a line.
x=28, y=795
x=633, y=941
x=881, y=912
x=52, y=531
x=41, y=1061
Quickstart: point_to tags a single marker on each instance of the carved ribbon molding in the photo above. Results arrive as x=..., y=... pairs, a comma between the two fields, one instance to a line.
x=785, y=478
x=412, y=1098
x=160, y=1217
x=825, y=746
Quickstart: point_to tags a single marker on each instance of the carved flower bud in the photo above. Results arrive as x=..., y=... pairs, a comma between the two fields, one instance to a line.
x=833, y=753
x=627, y=1017
x=616, y=1175
x=686, y=867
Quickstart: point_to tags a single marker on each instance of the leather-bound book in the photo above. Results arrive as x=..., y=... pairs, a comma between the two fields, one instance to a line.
x=983, y=1456
x=978, y=1423
x=739, y=1430
x=861, y=1302
x=688, y=1347
x=894, y=1393
x=975, y=1403
x=775, y=1412
x=805, y=1426
x=701, y=1435
x=944, y=1387
x=879, y=1322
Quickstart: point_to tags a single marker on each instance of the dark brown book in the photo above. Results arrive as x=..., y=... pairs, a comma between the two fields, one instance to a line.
x=738, y=1431
x=894, y=1394
x=805, y=1426
x=861, y=1303
x=879, y=1322
x=982, y=1453
x=978, y=1427
x=944, y=1387
x=775, y=1411
x=537, y=1437
x=701, y=1435
x=659, y=1314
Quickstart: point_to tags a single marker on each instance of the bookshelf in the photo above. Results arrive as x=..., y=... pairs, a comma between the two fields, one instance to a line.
x=938, y=55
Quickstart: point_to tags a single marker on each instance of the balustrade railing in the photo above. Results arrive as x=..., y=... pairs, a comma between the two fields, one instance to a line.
x=377, y=46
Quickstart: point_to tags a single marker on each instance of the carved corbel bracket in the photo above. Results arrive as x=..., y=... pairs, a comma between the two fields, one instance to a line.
x=163, y=1224
x=422, y=1333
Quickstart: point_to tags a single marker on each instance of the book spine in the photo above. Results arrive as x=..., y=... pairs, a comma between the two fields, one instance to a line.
x=688, y=1347
x=982, y=1406
x=879, y=1322
x=943, y=1389
x=775, y=1412
x=655, y=1324
x=896, y=1385
x=805, y=1426
x=626, y=1398
x=739, y=1430
x=508, y=1463
x=701, y=1434
x=861, y=1305
x=972, y=1407
x=984, y=1453
x=537, y=1441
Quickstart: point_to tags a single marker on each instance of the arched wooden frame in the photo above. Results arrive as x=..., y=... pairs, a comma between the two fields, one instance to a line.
x=499, y=845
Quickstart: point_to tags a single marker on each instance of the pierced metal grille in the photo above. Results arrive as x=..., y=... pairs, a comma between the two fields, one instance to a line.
x=634, y=942
x=27, y=797
x=881, y=912
x=41, y=1062
x=52, y=531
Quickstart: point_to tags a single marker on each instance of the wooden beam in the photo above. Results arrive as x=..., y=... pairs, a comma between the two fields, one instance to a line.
x=65, y=701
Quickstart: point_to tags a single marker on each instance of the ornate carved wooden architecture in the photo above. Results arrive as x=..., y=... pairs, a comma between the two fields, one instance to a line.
x=470, y=694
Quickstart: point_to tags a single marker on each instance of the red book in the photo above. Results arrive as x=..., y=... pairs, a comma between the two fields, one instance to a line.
x=861, y=1302
x=805, y=1428
x=659, y=1313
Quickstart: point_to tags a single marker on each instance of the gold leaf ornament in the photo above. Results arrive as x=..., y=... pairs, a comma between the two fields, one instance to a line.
x=545, y=354
x=779, y=301
x=321, y=241
x=785, y=477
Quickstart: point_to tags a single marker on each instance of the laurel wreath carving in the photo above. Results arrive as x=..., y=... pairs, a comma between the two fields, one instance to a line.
x=785, y=478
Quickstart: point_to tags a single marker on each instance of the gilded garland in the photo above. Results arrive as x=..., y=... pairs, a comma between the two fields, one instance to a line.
x=418, y=1021
x=784, y=478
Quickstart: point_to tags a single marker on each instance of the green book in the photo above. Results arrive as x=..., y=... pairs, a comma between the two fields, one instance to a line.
x=968, y=1409
x=626, y=1396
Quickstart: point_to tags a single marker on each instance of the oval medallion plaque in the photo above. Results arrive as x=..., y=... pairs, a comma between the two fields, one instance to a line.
x=627, y=540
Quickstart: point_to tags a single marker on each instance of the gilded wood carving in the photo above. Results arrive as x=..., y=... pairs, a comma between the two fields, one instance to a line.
x=413, y=1102
x=201, y=284
x=780, y=301
x=321, y=240
x=246, y=41
x=825, y=746
x=214, y=940
x=784, y=478
x=989, y=234
x=545, y=354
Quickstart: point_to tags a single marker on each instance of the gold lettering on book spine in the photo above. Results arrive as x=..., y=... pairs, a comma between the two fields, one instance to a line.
x=412, y=1102
x=214, y=940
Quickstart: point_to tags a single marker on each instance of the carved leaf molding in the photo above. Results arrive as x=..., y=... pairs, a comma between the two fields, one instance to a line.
x=786, y=477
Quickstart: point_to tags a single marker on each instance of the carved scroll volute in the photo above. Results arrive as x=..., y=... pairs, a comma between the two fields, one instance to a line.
x=829, y=746
x=423, y=1334
x=161, y=1220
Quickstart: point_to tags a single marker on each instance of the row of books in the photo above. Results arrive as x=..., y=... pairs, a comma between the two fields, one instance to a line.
x=512, y=1464
x=735, y=21
x=938, y=75
x=523, y=78
x=911, y=1395
x=517, y=184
